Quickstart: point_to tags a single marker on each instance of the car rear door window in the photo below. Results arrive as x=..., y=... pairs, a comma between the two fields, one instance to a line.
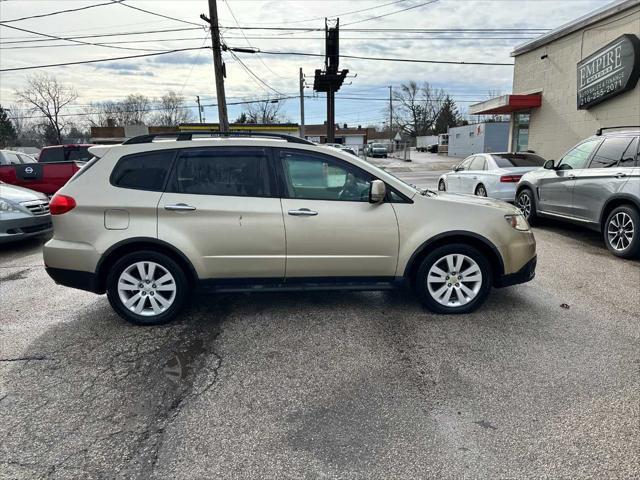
x=26, y=159
x=478, y=163
x=629, y=156
x=77, y=153
x=143, y=171
x=242, y=172
x=577, y=157
x=610, y=152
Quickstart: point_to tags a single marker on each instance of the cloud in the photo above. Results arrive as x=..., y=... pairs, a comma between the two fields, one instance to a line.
x=125, y=68
x=181, y=59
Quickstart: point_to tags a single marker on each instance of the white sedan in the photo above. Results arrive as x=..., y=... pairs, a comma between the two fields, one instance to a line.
x=490, y=174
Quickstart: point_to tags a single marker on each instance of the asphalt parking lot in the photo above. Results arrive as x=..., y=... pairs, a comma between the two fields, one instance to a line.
x=542, y=382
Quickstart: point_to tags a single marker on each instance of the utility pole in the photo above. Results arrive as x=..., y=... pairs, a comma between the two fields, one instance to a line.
x=390, y=116
x=301, y=104
x=218, y=66
x=199, y=108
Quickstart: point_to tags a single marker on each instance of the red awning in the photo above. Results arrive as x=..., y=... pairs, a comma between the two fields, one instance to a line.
x=506, y=104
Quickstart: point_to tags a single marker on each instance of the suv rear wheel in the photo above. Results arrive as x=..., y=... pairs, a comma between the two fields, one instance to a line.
x=454, y=279
x=147, y=288
x=621, y=232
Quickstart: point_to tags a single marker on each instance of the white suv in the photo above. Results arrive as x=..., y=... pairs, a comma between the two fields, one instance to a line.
x=148, y=220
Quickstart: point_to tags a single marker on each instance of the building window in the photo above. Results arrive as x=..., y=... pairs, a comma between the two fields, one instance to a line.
x=520, y=141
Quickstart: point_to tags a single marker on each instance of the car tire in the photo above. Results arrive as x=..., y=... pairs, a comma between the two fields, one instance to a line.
x=481, y=191
x=437, y=294
x=158, y=301
x=526, y=202
x=442, y=187
x=622, y=232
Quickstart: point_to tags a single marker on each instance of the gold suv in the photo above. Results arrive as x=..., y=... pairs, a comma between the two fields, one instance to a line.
x=149, y=220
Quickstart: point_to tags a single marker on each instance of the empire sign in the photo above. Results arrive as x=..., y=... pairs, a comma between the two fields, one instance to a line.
x=612, y=70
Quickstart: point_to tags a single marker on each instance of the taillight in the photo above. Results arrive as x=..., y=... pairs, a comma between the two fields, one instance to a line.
x=60, y=204
x=510, y=178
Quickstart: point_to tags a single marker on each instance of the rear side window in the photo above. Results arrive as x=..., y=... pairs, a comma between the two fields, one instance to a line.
x=241, y=172
x=518, y=160
x=610, y=152
x=629, y=156
x=26, y=159
x=478, y=163
x=143, y=171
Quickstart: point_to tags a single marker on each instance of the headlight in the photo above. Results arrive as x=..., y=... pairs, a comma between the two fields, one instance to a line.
x=517, y=221
x=9, y=207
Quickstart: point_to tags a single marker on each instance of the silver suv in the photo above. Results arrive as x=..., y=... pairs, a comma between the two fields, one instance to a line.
x=149, y=220
x=596, y=184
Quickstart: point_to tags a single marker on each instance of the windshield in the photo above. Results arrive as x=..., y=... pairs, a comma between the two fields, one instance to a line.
x=506, y=160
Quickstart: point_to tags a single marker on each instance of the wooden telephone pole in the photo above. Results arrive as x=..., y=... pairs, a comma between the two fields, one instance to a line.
x=218, y=65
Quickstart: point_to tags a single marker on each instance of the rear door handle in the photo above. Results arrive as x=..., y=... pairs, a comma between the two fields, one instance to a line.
x=181, y=207
x=303, y=212
x=621, y=175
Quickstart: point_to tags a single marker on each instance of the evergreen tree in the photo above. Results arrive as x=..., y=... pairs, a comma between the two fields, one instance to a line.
x=448, y=116
x=7, y=130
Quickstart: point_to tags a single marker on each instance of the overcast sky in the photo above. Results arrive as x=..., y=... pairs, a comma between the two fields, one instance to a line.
x=191, y=73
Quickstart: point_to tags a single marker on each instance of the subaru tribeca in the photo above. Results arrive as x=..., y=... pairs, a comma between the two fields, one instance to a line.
x=149, y=220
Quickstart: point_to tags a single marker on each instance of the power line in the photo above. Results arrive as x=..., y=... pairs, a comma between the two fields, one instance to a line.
x=412, y=30
x=106, y=35
x=391, y=13
x=253, y=75
x=82, y=62
x=387, y=59
x=60, y=11
x=75, y=41
x=121, y=2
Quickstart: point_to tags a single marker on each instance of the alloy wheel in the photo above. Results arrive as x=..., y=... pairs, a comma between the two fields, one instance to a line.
x=454, y=280
x=524, y=204
x=620, y=231
x=481, y=191
x=441, y=186
x=146, y=288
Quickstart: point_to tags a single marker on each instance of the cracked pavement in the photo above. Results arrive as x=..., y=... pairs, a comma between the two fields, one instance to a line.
x=328, y=385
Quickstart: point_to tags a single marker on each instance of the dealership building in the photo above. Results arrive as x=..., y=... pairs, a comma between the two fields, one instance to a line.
x=573, y=80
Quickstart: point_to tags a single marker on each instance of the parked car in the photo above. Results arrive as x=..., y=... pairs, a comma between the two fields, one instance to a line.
x=433, y=148
x=377, y=150
x=147, y=221
x=595, y=184
x=344, y=148
x=490, y=174
x=21, y=169
x=23, y=213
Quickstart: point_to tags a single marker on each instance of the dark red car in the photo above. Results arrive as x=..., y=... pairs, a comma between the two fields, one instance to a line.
x=55, y=166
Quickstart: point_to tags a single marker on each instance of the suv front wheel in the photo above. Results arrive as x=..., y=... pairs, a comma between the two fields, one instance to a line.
x=147, y=288
x=454, y=279
x=527, y=204
x=621, y=232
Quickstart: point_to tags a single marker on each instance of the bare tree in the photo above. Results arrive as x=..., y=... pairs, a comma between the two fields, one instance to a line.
x=45, y=95
x=494, y=117
x=267, y=111
x=133, y=110
x=416, y=108
x=172, y=111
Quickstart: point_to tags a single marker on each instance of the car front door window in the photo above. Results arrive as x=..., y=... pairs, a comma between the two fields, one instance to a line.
x=314, y=177
x=577, y=157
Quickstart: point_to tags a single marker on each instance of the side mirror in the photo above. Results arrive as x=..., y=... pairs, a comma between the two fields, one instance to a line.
x=377, y=191
x=549, y=165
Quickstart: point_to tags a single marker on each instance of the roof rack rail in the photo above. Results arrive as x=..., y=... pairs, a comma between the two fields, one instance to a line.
x=602, y=129
x=188, y=135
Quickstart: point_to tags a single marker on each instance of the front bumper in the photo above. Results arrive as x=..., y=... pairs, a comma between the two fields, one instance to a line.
x=20, y=226
x=525, y=274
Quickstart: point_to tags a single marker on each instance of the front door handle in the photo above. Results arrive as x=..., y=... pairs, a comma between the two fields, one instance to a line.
x=621, y=175
x=571, y=175
x=181, y=207
x=303, y=212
